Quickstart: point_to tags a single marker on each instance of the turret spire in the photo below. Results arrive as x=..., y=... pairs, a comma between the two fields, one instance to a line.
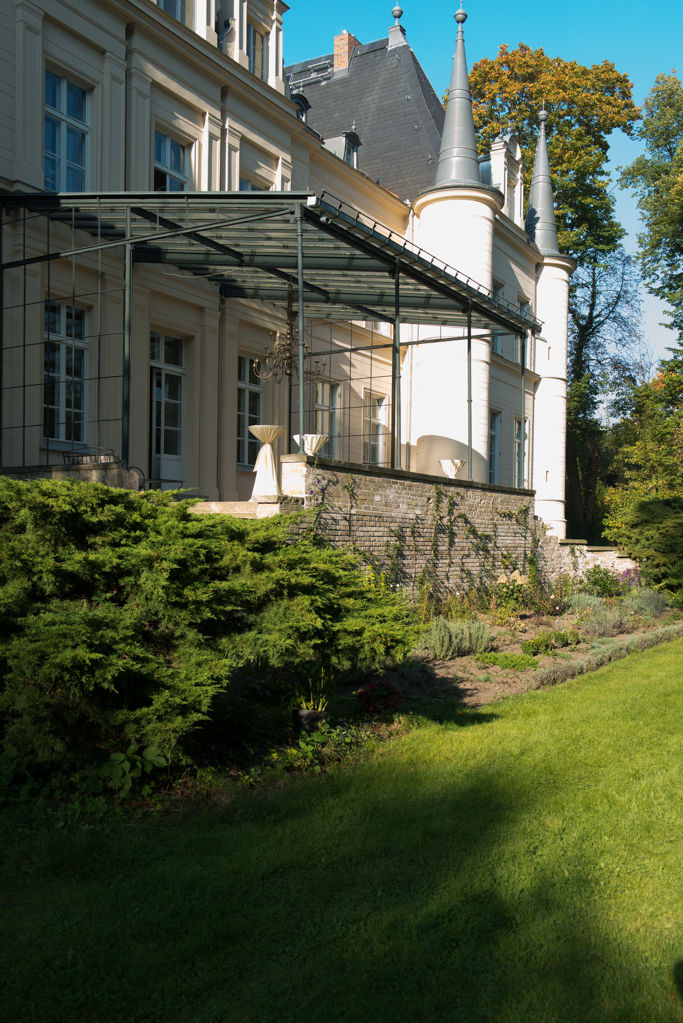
x=540, y=218
x=458, y=163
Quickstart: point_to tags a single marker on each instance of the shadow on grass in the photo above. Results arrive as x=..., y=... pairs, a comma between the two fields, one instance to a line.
x=396, y=890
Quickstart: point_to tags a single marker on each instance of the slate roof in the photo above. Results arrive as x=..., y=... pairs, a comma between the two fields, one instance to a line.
x=398, y=116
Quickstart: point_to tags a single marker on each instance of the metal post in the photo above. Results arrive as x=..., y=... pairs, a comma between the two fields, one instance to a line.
x=300, y=280
x=469, y=391
x=522, y=354
x=396, y=378
x=23, y=350
x=127, y=321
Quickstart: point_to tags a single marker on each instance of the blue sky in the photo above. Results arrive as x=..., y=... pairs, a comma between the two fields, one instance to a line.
x=641, y=39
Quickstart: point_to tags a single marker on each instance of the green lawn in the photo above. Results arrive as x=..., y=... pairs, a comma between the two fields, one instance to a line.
x=520, y=863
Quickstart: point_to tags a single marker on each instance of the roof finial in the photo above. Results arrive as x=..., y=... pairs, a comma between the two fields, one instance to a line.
x=540, y=218
x=458, y=161
x=397, y=14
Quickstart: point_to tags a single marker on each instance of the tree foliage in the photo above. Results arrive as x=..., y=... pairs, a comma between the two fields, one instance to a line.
x=125, y=619
x=585, y=104
x=657, y=178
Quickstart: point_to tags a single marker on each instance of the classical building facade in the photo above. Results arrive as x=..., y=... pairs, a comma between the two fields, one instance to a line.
x=156, y=163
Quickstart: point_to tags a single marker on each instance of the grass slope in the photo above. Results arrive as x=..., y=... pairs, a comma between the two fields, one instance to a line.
x=519, y=863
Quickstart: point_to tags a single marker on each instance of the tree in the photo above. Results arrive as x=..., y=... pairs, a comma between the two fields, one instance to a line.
x=657, y=179
x=585, y=104
x=648, y=441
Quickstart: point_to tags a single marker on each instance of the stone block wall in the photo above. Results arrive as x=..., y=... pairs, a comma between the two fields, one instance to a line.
x=423, y=531
x=111, y=473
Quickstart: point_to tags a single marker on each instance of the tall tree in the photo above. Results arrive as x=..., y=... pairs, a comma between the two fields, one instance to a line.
x=657, y=178
x=585, y=105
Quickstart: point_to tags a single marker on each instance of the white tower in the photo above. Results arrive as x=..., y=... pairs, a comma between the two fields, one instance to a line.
x=454, y=220
x=552, y=301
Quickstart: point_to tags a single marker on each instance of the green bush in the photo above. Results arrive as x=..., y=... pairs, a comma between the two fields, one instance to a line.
x=651, y=531
x=445, y=639
x=648, y=603
x=608, y=621
x=515, y=662
x=600, y=582
x=585, y=602
x=546, y=642
x=125, y=619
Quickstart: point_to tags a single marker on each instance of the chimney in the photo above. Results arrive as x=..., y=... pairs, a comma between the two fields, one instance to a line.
x=343, y=48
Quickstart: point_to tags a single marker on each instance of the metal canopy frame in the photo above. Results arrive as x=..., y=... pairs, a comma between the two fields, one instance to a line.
x=259, y=245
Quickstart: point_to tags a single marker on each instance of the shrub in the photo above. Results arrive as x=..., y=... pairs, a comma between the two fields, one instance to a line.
x=600, y=582
x=585, y=602
x=125, y=618
x=651, y=531
x=607, y=621
x=546, y=642
x=445, y=639
x=648, y=603
x=515, y=662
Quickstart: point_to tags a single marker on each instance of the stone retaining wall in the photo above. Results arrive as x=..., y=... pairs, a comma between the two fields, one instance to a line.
x=111, y=473
x=423, y=531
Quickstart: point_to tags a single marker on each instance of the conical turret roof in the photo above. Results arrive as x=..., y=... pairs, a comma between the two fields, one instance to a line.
x=540, y=218
x=458, y=163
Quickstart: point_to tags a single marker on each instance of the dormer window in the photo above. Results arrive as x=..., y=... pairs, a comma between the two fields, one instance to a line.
x=302, y=107
x=176, y=8
x=352, y=142
x=257, y=51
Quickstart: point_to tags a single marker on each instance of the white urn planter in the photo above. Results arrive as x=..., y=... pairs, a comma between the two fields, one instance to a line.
x=451, y=466
x=265, y=485
x=313, y=442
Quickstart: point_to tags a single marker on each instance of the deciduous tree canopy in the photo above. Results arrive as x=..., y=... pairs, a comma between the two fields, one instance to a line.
x=585, y=104
x=657, y=178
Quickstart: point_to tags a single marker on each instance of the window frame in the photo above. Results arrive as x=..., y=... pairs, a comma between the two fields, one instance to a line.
x=517, y=451
x=65, y=122
x=257, y=31
x=166, y=168
x=248, y=384
x=495, y=419
x=374, y=427
x=64, y=342
x=179, y=6
x=327, y=412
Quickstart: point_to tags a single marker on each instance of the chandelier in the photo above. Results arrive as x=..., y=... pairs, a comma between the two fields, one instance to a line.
x=282, y=358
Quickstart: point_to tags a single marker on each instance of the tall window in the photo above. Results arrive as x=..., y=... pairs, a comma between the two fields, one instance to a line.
x=257, y=52
x=525, y=310
x=176, y=8
x=170, y=164
x=167, y=362
x=64, y=359
x=374, y=427
x=66, y=135
x=248, y=409
x=497, y=343
x=327, y=415
x=494, y=446
x=521, y=453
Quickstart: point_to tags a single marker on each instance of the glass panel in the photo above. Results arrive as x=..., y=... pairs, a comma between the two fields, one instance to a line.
x=154, y=347
x=160, y=148
x=171, y=442
x=51, y=136
x=77, y=395
x=75, y=102
x=254, y=406
x=51, y=172
x=174, y=185
x=242, y=369
x=177, y=157
x=52, y=84
x=173, y=351
x=75, y=146
x=253, y=379
x=171, y=414
x=52, y=324
x=172, y=388
x=75, y=179
x=157, y=441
